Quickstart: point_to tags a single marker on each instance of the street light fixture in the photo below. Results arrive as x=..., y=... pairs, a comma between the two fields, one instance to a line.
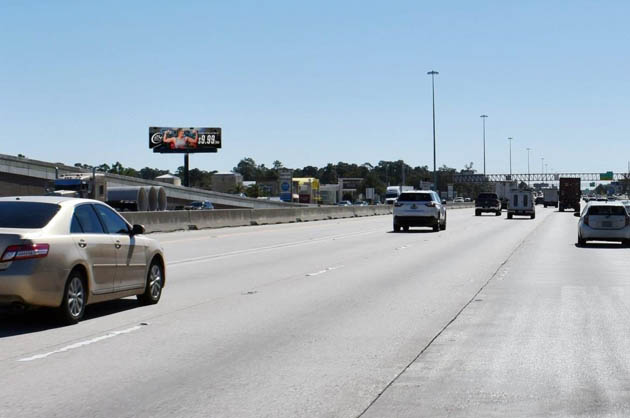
x=483, y=117
x=435, y=178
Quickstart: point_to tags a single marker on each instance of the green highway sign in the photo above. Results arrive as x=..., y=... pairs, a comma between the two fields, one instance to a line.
x=606, y=176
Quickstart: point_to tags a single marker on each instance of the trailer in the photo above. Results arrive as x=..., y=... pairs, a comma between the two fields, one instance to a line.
x=550, y=197
x=570, y=193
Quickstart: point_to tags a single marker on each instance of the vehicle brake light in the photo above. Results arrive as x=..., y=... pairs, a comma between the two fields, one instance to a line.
x=627, y=220
x=24, y=252
x=431, y=204
x=586, y=220
x=398, y=204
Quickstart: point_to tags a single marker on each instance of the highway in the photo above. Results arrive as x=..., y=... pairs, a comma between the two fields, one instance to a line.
x=343, y=318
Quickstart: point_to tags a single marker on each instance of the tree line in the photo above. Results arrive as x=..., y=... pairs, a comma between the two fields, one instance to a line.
x=379, y=176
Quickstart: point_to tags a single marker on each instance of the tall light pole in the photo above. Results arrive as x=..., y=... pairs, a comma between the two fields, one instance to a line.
x=510, y=139
x=483, y=117
x=435, y=178
x=528, y=178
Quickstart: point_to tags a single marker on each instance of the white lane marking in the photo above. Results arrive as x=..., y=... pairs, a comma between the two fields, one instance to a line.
x=82, y=344
x=317, y=273
x=270, y=247
x=404, y=247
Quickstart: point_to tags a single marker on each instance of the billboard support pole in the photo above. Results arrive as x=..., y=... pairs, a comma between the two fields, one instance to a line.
x=186, y=171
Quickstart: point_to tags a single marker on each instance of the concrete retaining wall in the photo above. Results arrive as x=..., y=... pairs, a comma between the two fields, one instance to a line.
x=220, y=218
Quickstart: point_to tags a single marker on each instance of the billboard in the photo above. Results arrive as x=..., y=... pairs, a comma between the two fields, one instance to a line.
x=184, y=140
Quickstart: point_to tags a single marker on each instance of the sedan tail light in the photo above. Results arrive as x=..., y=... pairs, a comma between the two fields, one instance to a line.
x=431, y=204
x=627, y=220
x=398, y=204
x=586, y=220
x=24, y=252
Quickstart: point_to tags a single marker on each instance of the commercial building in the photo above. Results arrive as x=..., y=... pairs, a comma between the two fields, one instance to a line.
x=226, y=182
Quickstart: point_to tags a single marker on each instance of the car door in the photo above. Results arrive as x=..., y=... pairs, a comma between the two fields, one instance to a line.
x=130, y=250
x=95, y=247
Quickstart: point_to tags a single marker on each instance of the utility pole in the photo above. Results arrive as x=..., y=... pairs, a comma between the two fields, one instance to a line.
x=528, y=178
x=435, y=177
x=510, y=139
x=403, y=173
x=483, y=117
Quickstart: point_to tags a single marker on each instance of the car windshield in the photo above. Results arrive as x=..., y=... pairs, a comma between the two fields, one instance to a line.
x=607, y=210
x=196, y=204
x=487, y=196
x=415, y=197
x=26, y=215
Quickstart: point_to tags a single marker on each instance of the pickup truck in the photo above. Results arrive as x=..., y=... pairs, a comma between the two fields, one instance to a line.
x=487, y=202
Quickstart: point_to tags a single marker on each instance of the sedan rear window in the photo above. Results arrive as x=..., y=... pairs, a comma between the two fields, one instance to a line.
x=415, y=197
x=607, y=210
x=487, y=196
x=26, y=215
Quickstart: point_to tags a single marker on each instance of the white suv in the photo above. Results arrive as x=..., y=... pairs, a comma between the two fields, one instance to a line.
x=419, y=208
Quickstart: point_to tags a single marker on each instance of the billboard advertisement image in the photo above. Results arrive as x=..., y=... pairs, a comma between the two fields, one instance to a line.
x=184, y=140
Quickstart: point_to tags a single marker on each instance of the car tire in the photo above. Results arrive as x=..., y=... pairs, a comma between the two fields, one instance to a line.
x=497, y=213
x=443, y=227
x=581, y=241
x=477, y=213
x=154, y=285
x=533, y=216
x=545, y=205
x=396, y=228
x=561, y=208
x=406, y=228
x=509, y=216
x=72, y=306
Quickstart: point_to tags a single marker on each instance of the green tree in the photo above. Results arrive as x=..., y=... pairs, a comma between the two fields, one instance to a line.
x=247, y=168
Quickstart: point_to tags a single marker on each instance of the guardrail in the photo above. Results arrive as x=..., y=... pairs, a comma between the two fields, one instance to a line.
x=220, y=218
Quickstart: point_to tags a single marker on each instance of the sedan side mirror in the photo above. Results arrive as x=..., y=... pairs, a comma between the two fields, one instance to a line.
x=137, y=230
x=576, y=214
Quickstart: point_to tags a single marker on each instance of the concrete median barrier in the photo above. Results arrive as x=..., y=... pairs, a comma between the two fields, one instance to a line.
x=219, y=218
x=169, y=221
x=160, y=221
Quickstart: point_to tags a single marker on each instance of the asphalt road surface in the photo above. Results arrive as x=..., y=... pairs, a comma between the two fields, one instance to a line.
x=492, y=317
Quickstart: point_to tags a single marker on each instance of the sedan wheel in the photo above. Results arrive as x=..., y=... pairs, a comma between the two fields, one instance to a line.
x=73, y=305
x=153, y=289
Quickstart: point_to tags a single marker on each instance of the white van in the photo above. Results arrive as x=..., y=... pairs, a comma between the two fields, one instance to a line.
x=521, y=203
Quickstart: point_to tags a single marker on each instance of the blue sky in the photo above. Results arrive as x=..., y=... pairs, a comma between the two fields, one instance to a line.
x=315, y=82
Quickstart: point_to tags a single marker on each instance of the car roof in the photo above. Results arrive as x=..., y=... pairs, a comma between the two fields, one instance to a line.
x=418, y=191
x=604, y=203
x=56, y=200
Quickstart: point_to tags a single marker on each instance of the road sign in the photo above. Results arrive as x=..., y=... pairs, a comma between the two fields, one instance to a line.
x=285, y=177
x=606, y=176
x=184, y=140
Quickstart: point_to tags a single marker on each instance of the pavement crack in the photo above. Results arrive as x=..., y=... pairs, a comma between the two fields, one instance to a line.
x=452, y=320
